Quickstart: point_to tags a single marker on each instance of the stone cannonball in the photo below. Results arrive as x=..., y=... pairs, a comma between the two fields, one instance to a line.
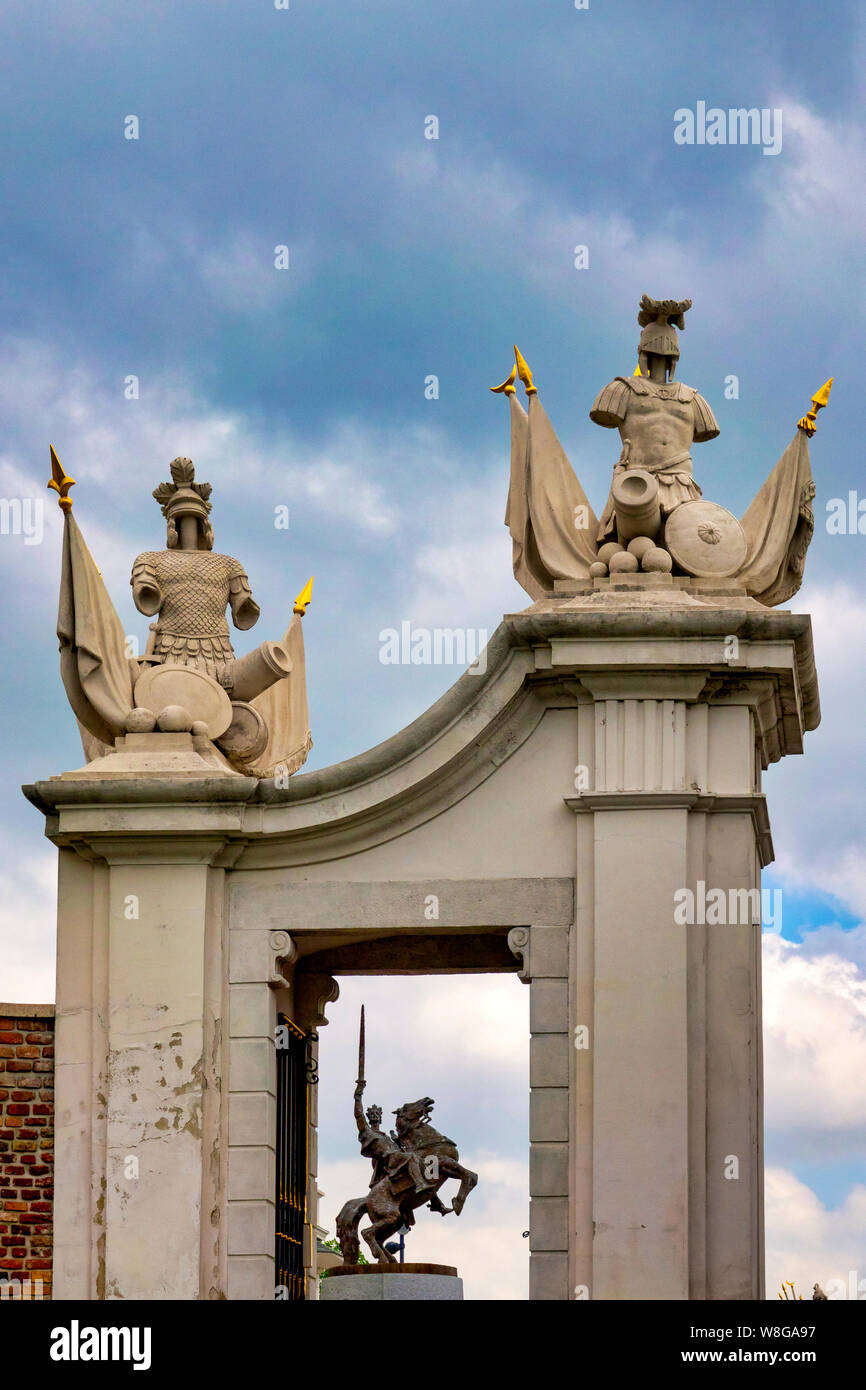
x=605, y=551
x=174, y=719
x=199, y=729
x=140, y=721
x=598, y=569
x=623, y=563
x=657, y=561
x=640, y=545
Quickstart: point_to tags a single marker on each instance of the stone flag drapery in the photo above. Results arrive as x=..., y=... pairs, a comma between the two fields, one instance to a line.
x=97, y=674
x=284, y=709
x=552, y=525
x=778, y=527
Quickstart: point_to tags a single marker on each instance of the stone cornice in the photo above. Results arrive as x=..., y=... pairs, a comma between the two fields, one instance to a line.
x=552, y=655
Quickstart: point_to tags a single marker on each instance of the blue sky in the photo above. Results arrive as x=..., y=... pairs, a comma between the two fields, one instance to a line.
x=409, y=257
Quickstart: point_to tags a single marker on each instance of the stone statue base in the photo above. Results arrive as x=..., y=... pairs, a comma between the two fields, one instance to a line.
x=376, y=1283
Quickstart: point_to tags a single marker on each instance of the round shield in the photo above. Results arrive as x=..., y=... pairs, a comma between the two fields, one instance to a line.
x=194, y=690
x=247, y=735
x=705, y=539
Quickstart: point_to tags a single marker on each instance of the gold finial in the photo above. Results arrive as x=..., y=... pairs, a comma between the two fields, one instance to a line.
x=304, y=597
x=819, y=400
x=507, y=385
x=524, y=373
x=637, y=371
x=60, y=482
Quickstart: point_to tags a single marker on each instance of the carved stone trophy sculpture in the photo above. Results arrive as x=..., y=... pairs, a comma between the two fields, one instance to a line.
x=410, y=1165
x=656, y=521
x=245, y=714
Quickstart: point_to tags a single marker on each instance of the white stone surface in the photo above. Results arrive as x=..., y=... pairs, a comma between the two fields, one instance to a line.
x=391, y=1288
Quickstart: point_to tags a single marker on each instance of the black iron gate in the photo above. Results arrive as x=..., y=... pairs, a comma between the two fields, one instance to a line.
x=291, y=1199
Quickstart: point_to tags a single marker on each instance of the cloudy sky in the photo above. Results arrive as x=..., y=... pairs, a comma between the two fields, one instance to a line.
x=304, y=387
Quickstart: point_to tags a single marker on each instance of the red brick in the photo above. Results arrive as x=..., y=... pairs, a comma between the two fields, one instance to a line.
x=37, y=1264
x=23, y=1095
x=43, y=1109
x=14, y=1121
x=15, y=1206
x=20, y=1109
x=29, y=1195
x=11, y=1264
x=25, y=1050
x=40, y=1038
x=41, y=1066
x=6, y=1037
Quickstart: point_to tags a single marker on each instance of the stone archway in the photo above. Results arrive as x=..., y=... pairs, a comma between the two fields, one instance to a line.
x=607, y=758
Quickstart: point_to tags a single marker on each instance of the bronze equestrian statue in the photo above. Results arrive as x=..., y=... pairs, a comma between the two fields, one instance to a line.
x=409, y=1166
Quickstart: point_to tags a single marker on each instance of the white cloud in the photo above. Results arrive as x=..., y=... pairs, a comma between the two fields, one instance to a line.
x=821, y=175
x=808, y=1243
x=814, y=1044
x=28, y=921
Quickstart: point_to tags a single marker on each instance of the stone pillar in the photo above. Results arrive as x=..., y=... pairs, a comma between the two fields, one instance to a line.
x=140, y=1201
x=665, y=1115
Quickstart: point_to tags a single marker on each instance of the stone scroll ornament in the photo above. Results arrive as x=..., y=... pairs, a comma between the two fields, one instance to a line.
x=656, y=519
x=253, y=708
x=409, y=1166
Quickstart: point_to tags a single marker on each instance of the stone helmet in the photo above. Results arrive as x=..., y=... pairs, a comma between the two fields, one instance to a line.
x=185, y=497
x=660, y=319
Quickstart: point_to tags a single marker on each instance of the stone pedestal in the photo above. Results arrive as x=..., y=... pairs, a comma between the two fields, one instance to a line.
x=379, y=1283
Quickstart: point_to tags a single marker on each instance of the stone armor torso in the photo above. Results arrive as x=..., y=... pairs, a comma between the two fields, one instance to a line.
x=196, y=587
x=658, y=422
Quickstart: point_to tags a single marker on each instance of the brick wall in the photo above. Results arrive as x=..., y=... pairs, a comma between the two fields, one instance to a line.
x=26, y=1142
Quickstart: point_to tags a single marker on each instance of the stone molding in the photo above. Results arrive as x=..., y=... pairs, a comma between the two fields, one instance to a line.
x=518, y=945
x=399, y=904
x=753, y=804
x=284, y=953
x=547, y=657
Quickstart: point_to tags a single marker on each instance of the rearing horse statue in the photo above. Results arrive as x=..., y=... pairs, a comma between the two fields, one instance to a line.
x=409, y=1167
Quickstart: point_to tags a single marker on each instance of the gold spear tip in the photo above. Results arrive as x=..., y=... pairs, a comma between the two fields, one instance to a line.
x=822, y=396
x=819, y=400
x=304, y=598
x=637, y=371
x=524, y=373
x=507, y=385
x=60, y=481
